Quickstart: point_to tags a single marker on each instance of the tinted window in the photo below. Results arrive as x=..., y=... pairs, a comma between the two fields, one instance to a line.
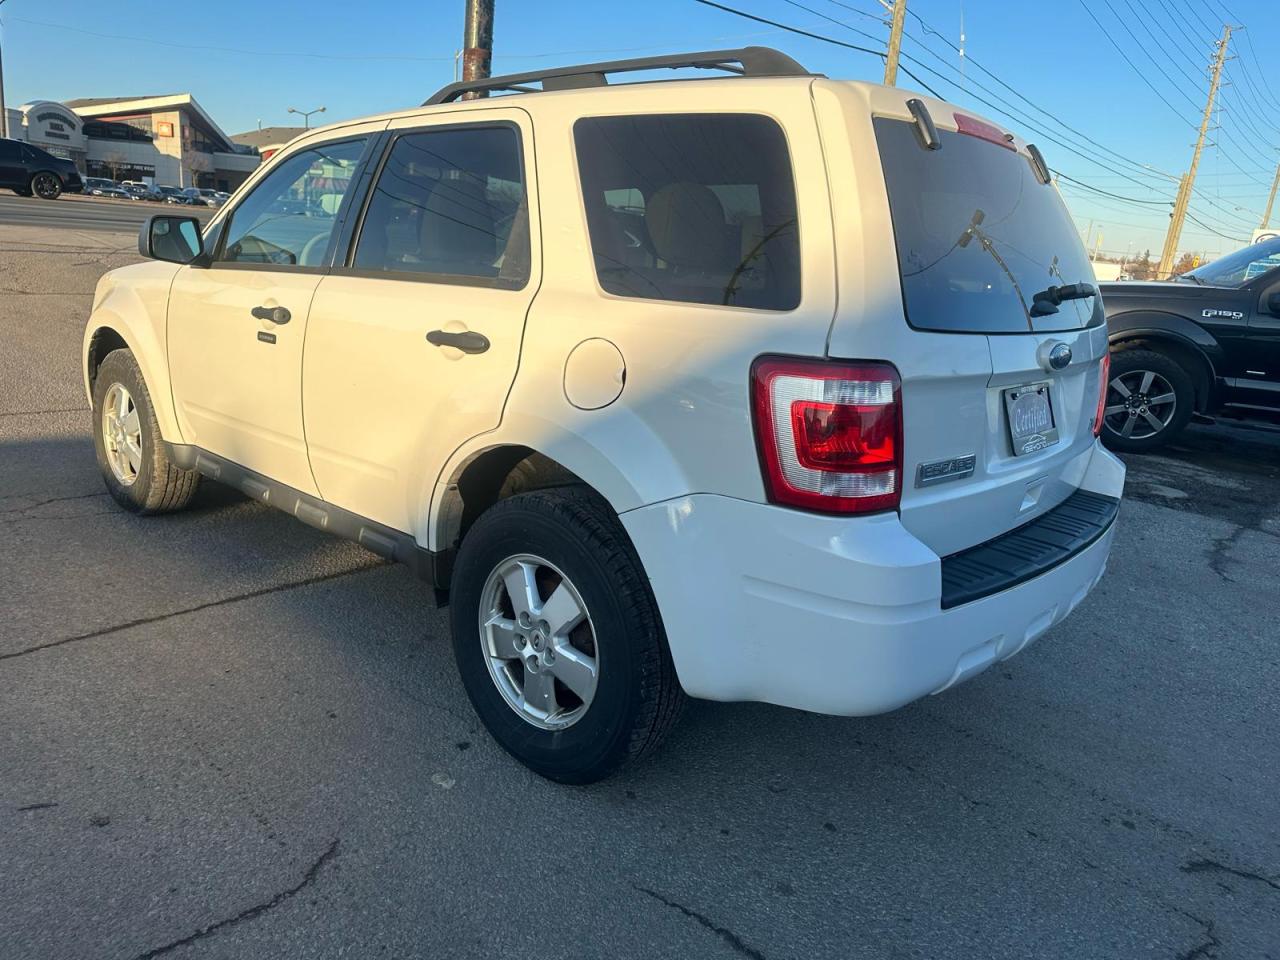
x=1241, y=266
x=288, y=218
x=9, y=150
x=978, y=235
x=699, y=208
x=450, y=203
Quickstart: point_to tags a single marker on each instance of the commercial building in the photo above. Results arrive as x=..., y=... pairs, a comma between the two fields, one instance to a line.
x=267, y=140
x=167, y=139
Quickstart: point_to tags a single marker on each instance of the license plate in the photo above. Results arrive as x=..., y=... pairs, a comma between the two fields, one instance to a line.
x=1030, y=415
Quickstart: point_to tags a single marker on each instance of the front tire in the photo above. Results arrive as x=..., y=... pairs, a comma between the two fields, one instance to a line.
x=558, y=638
x=46, y=186
x=1150, y=399
x=126, y=438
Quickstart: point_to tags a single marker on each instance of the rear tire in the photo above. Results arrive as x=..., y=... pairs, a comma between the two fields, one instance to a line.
x=563, y=537
x=1150, y=399
x=126, y=438
x=46, y=185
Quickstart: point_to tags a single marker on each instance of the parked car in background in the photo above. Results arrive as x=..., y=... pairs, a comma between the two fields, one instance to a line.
x=1207, y=341
x=213, y=198
x=191, y=196
x=101, y=187
x=767, y=417
x=141, y=191
x=166, y=192
x=30, y=171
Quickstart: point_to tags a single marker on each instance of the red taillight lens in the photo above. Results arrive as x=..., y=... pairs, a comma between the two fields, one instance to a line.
x=830, y=434
x=1103, y=379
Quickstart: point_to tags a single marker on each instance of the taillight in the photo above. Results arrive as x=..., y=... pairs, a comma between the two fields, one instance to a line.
x=1105, y=371
x=830, y=434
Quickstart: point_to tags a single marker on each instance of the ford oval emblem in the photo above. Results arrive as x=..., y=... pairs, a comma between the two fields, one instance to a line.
x=1059, y=356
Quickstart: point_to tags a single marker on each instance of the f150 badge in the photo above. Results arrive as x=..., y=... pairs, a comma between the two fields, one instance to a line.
x=1229, y=314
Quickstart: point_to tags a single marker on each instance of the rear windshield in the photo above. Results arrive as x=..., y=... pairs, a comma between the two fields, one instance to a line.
x=978, y=235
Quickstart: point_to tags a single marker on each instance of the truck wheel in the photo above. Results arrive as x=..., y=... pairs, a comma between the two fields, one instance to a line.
x=558, y=638
x=46, y=186
x=1150, y=398
x=126, y=439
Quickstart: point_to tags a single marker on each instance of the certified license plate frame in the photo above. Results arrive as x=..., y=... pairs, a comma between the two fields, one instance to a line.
x=1031, y=441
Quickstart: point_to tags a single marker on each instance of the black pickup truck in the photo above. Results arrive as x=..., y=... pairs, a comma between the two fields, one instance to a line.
x=1208, y=341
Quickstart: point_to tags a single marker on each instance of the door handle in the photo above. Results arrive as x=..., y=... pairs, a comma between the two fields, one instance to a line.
x=468, y=341
x=276, y=315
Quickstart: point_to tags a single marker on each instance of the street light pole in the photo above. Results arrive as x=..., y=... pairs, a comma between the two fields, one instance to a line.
x=305, y=114
x=4, y=114
x=477, y=44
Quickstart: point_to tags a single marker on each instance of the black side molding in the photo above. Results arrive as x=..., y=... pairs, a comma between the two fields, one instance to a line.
x=435, y=568
x=1030, y=550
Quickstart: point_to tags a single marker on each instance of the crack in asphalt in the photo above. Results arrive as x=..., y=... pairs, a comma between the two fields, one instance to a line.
x=143, y=621
x=36, y=413
x=251, y=913
x=1211, y=944
x=41, y=503
x=1213, y=866
x=1219, y=554
x=725, y=934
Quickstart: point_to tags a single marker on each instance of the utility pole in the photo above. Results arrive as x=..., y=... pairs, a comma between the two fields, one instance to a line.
x=1266, y=217
x=4, y=114
x=477, y=44
x=1188, y=181
x=895, y=42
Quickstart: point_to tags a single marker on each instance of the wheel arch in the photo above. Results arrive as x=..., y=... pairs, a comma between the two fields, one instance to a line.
x=108, y=331
x=1187, y=343
x=494, y=471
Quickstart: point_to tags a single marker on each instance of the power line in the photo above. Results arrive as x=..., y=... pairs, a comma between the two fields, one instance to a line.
x=929, y=29
x=1137, y=11
x=1142, y=76
x=1154, y=61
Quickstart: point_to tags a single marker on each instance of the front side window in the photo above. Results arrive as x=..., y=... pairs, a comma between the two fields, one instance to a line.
x=699, y=208
x=288, y=218
x=450, y=203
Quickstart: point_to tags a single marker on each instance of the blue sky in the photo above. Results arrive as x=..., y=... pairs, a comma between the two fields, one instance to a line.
x=249, y=61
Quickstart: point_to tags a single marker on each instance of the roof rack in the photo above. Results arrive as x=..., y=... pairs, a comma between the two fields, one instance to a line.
x=750, y=62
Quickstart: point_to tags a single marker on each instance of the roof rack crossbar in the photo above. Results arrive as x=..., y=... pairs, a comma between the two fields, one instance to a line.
x=750, y=62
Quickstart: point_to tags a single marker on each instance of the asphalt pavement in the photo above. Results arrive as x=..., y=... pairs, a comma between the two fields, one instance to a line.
x=73, y=212
x=224, y=734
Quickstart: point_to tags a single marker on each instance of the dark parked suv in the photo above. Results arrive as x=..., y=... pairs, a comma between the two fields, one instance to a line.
x=28, y=170
x=1208, y=341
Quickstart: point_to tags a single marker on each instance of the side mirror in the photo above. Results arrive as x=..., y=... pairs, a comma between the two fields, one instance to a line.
x=1273, y=304
x=175, y=239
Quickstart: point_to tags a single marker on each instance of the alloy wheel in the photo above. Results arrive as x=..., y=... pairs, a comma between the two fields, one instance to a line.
x=539, y=642
x=46, y=186
x=1140, y=404
x=122, y=434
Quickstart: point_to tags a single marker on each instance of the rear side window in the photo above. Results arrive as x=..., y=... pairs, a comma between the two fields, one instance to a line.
x=450, y=204
x=698, y=208
x=978, y=236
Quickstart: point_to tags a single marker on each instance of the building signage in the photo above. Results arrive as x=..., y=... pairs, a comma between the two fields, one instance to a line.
x=164, y=128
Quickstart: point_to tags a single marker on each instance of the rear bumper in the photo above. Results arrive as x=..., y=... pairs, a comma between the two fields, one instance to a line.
x=837, y=615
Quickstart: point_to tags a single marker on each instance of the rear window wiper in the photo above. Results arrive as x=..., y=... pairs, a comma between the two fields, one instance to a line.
x=1047, y=301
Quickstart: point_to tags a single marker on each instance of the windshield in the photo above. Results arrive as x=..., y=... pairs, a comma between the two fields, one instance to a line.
x=978, y=236
x=1240, y=267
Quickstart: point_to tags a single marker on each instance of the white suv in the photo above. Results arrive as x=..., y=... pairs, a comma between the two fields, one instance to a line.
x=759, y=387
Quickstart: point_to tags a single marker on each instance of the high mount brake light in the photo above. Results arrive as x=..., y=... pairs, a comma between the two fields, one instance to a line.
x=973, y=127
x=829, y=433
x=1104, y=378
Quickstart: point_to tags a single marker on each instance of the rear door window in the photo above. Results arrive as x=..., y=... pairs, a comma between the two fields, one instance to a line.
x=978, y=235
x=698, y=208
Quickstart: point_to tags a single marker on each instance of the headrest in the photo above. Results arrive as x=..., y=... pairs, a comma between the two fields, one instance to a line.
x=458, y=223
x=687, y=227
